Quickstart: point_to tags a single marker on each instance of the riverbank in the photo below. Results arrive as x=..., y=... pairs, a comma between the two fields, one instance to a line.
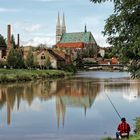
x=16, y=75
x=132, y=137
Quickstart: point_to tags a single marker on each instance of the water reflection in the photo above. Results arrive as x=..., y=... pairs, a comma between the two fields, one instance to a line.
x=72, y=93
x=55, y=107
x=130, y=89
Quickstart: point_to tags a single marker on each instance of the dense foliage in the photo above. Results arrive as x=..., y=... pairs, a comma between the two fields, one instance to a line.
x=30, y=59
x=123, y=31
x=15, y=58
x=13, y=43
x=2, y=41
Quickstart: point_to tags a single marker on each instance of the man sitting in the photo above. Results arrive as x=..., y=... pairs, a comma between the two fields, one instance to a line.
x=124, y=129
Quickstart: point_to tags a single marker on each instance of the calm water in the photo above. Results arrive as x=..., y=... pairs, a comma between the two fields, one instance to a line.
x=72, y=109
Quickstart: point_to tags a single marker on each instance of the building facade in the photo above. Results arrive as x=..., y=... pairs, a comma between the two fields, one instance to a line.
x=82, y=43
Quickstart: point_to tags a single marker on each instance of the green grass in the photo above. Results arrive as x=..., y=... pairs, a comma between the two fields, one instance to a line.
x=13, y=75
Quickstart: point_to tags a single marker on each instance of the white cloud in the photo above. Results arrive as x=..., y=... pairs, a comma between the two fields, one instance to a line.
x=101, y=40
x=8, y=10
x=27, y=27
x=49, y=41
x=33, y=34
x=33, y=28
x=95, y=25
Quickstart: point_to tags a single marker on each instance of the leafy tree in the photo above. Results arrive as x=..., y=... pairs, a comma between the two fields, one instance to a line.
x=13, y=41
x=123, y=30
x=2, y=63
x=2, y=41
x=15, y=58
x=11, y=58
x=92, y=50
x=110, y=52
x=20, y=61
x=35, y=61
x=47, y=62
x=30, y=59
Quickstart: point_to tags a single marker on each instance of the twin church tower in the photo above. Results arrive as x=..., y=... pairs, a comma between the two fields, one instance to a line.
x=60, y=28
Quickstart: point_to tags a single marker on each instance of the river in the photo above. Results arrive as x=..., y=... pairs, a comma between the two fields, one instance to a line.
x=68, y=109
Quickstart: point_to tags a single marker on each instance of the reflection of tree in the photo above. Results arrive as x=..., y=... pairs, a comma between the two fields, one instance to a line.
x=2, y=97
x=67, y=92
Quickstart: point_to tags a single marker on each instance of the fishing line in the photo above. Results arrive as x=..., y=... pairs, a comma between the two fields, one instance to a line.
x=113, y=106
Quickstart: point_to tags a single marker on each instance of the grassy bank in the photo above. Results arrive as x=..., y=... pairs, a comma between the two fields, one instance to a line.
x=13, y=75
x=133, y=137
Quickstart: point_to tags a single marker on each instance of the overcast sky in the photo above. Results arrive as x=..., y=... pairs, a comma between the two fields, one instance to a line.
x=35, y=20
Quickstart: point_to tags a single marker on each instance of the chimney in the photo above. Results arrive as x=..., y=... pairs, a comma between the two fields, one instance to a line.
x=8, y=36
x=18, y=40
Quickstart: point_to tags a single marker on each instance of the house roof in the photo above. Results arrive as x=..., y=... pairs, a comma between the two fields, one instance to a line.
x=85, y=37
x=60, y=53
x=71, y=45
x=55, y=55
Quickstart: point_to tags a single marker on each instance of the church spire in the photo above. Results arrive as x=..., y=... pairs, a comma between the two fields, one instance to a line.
x=63, y=22
x=63, y=25
x=58, y=29
x=58, y=20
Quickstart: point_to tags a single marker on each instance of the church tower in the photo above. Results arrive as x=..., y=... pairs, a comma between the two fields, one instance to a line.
x=58, y=29
x=63, y=25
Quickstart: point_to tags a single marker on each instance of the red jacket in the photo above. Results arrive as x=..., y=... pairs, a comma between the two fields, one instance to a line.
x=124, y=127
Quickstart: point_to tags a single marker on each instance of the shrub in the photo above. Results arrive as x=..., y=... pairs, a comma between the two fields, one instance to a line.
x=70, y=68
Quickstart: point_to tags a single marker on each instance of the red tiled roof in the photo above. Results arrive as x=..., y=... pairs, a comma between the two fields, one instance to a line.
x=71, y=45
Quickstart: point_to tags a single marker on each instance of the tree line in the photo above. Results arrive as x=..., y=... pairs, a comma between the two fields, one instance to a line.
x=14, y=58
x=123, y=31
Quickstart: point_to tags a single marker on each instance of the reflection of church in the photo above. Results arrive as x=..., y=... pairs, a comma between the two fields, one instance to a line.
x=76, y=94
x=76, y=102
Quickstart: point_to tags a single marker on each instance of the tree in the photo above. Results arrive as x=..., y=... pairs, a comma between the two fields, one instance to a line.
x=123, y=30
x=2, y=41
x=47, y=62
x=30, y=59
x=35, y=61
x=13, y=41
x=15, y=58
x=20, y=61
x=11, y=58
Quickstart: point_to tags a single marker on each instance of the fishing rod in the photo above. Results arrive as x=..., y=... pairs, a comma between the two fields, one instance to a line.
x=113, y=106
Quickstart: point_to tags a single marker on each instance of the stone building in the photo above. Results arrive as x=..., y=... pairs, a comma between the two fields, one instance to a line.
x=75, y=42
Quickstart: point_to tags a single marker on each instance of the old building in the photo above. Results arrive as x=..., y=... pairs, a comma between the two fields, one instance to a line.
x=56, y=60
x=2, y=51
x=72, y=43
x=43, y=55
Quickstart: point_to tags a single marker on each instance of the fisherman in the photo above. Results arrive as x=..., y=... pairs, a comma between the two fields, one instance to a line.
x=123, y=129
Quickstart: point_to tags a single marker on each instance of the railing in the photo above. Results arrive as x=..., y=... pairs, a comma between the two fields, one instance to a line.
x=106, y=66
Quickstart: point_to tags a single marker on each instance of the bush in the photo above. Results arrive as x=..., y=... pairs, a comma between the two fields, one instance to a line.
x=2, y=64
x=23, y=77
x=70, y=68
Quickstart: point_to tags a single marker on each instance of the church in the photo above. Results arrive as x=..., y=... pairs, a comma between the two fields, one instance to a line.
x=82, y=42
